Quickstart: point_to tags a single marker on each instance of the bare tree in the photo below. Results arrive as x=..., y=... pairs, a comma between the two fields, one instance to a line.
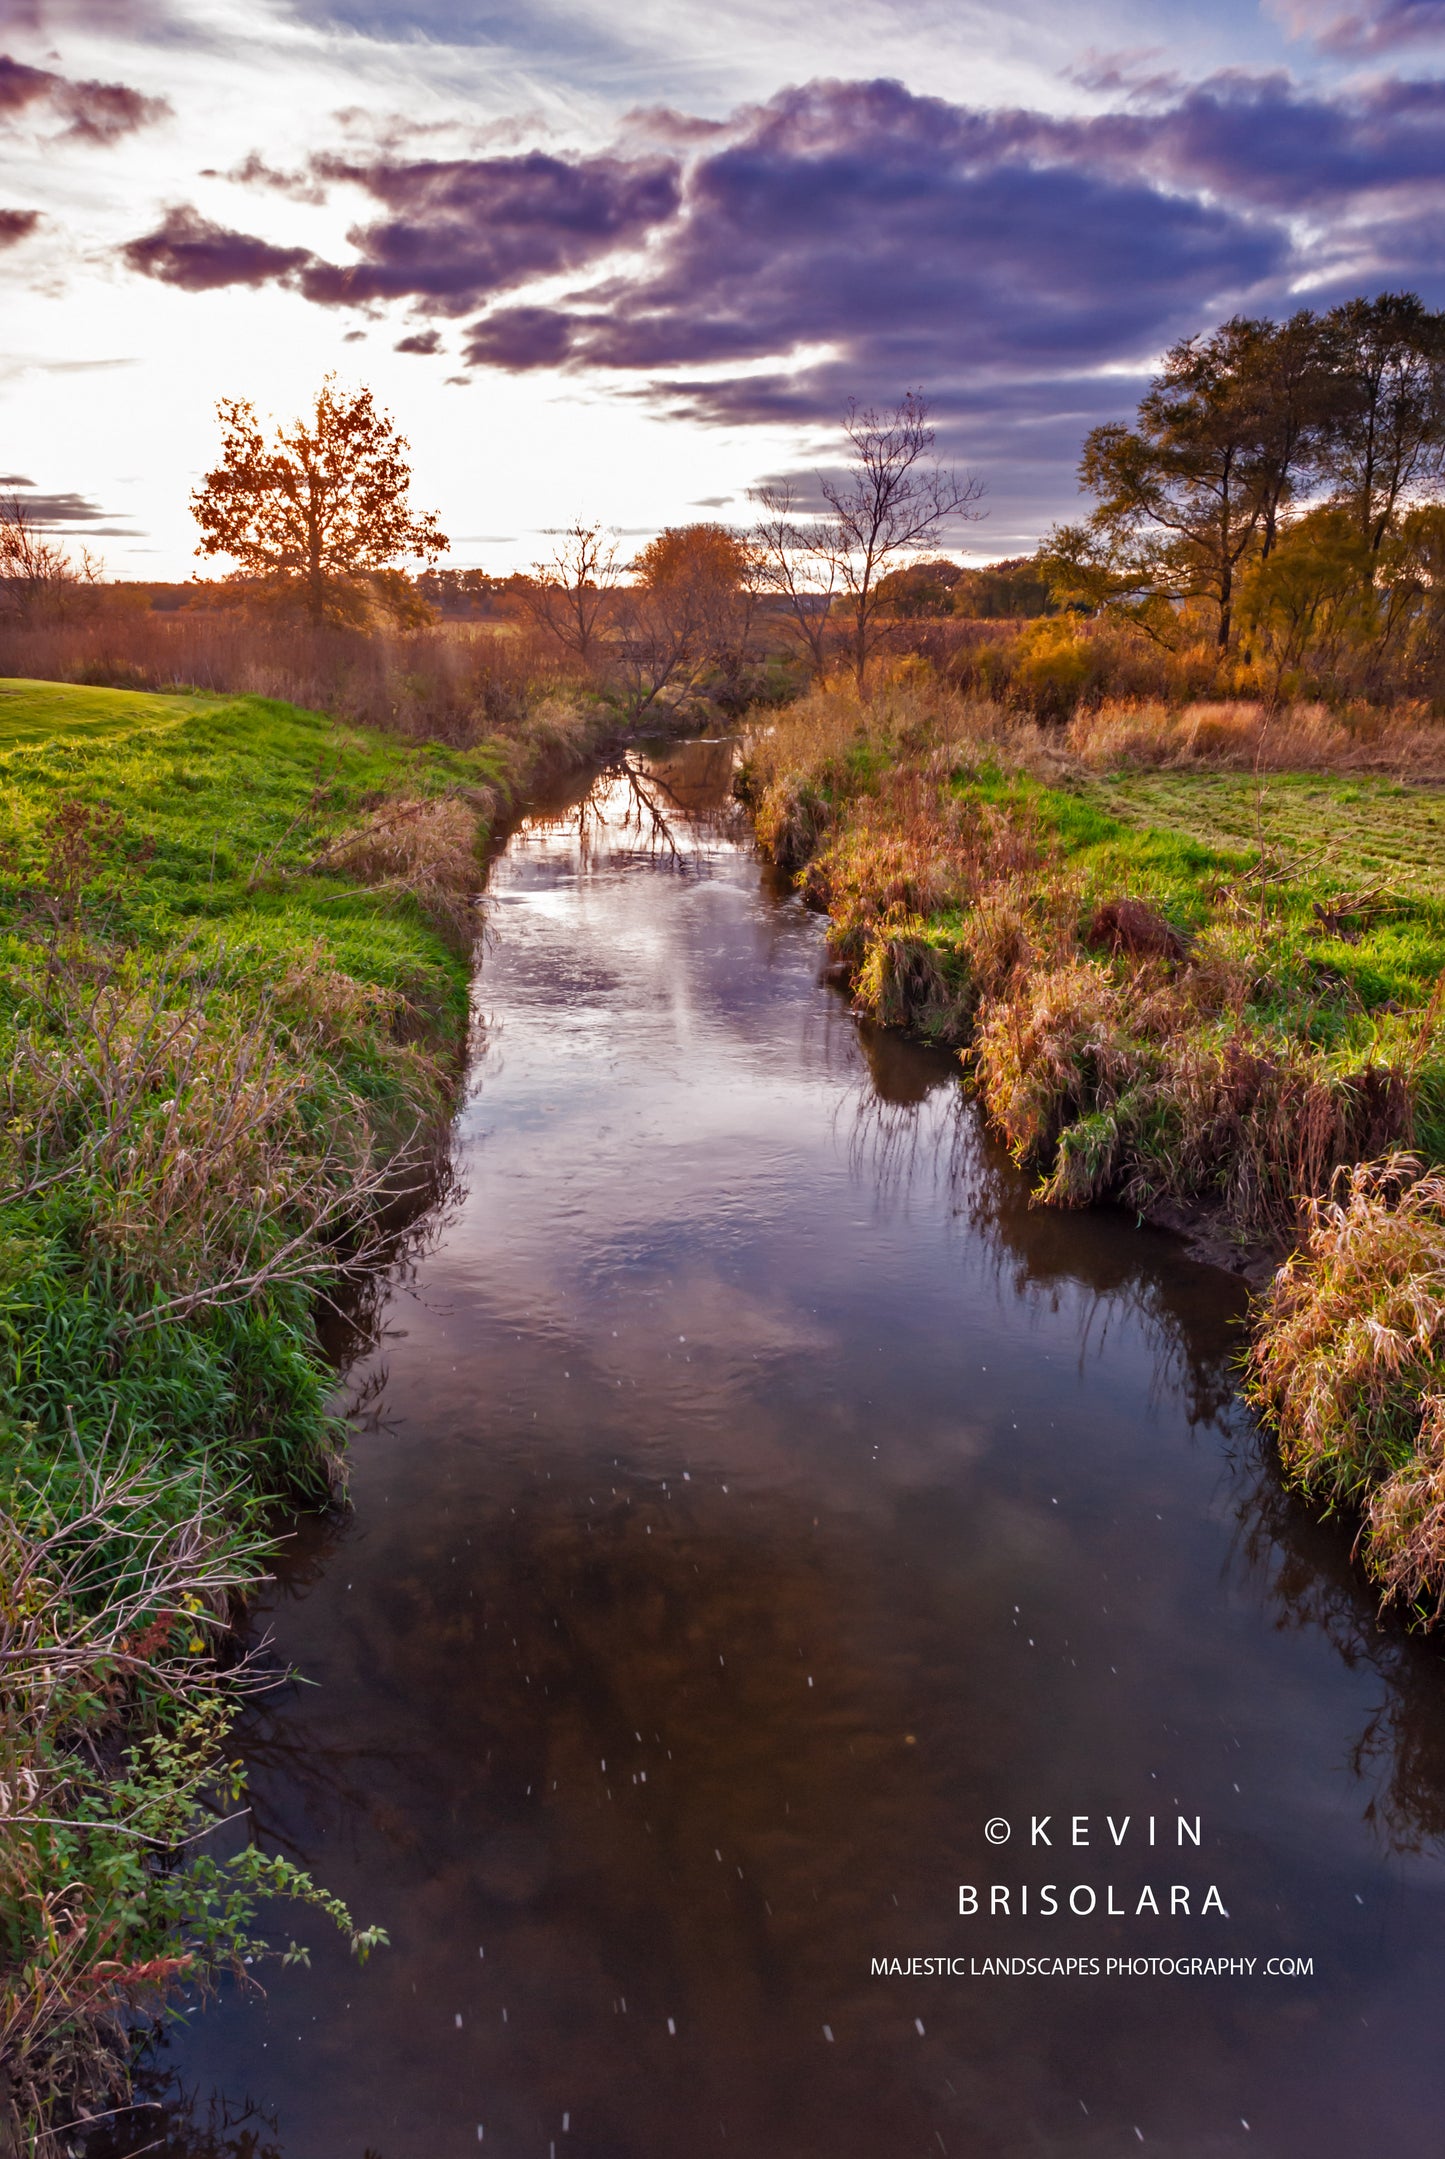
x=39, y=577
x=573, y=588
x=795, y=564
x=892, y=499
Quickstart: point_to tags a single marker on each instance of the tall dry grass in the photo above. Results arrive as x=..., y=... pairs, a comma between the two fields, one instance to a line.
x=1349, y=1368
x=455, y=682
x=1240, y=735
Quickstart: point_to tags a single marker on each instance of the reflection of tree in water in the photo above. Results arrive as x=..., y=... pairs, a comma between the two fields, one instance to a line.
x=1305, y=1569
x=182, y=2125
x=913, y=1120
x=660, y=807
x=1191, y=1318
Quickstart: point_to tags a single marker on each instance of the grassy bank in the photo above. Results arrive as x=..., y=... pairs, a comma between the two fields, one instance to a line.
x=1206, y=993
x=233, y=996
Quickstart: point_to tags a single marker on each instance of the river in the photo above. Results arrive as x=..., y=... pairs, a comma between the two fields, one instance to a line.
x=753, y=1497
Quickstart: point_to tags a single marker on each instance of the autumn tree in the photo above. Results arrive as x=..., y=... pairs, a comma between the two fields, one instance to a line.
x=687, y=615
x=317, y=508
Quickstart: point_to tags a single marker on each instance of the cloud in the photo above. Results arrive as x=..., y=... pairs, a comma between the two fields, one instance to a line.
x=253, y=171
x=68, y=512
x=464, y=228
x=190, y=251
x=99, y=112
x=915, y=237
x=1385, y=26
x=420, y=341
x=17, y=225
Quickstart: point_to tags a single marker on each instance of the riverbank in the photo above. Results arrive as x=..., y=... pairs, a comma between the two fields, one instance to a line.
x=234, y=962
x=1202, y=994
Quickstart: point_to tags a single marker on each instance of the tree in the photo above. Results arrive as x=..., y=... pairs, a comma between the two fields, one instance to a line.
x=891, y=500
x=39, y=578
x=320, y=506
x=1386, y=440
x=1309, y=598
x=688, y=613
x=570, y=592
x=1184, y=494
x=794, y=566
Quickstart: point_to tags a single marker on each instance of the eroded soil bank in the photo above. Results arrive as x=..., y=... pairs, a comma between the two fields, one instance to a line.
x=754, y=1497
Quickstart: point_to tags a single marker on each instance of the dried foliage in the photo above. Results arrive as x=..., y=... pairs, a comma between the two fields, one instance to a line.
x=1349, y=1367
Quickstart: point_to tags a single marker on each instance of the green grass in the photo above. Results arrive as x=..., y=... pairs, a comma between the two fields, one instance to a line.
x=333, y=1013
x=1183, y=839
x=1356, y=829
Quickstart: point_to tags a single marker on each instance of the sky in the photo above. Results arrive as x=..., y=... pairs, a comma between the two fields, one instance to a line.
x=626, y=263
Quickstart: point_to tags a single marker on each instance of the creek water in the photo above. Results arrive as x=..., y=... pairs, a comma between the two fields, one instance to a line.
x=753, y=1497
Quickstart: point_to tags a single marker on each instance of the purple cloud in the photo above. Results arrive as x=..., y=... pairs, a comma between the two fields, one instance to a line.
x=98, y=112
x=1386, y=27
x=918, y=236
x=466, y=228
x=187, y=250
x=420, y=341
x=17, y=225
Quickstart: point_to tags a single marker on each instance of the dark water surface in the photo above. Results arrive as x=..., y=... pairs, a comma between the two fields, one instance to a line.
x=753, y=1497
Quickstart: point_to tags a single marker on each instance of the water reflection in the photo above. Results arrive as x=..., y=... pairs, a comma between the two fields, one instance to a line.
x=754, y=1494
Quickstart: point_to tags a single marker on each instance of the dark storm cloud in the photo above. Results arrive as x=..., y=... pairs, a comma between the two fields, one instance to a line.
x=930, y=236
x=95, y=111
x=187, y=250
x=462, y=229
x=421, y=341
x=17, y=225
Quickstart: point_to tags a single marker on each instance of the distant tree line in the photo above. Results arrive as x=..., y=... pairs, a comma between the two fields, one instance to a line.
x=1269, y=523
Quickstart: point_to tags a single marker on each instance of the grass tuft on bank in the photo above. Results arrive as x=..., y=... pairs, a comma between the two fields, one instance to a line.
x=1207, y=995
x=233, y=996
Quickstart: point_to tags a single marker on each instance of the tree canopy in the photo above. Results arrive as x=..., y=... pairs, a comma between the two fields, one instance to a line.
x=318, y=508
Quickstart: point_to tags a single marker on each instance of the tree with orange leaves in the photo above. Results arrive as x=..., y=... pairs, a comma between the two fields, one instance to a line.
x=317, y=507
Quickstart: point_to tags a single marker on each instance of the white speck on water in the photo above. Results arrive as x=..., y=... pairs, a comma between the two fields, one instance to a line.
x=1139, y=2133
x=1358, y=1898
x=566, y=2124
x=687, y=1477
x=504, y=2016
x=459, y=2022
x=918, y=2026
x=672, y=2027
x=481, y=1952
x=828, y=2033
x=481, y=2134
x=810, y=1679
x=717, y=1855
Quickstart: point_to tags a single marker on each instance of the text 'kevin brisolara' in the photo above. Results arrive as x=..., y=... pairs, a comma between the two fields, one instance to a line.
x=1091, y=1967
